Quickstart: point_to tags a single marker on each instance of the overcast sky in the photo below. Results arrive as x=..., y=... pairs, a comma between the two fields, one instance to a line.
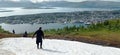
x=91, y=0
x=62, y=0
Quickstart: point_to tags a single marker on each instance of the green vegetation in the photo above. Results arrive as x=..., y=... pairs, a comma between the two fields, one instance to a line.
x=108, y=31
x=3, y=31
x=5, y=34
x=109, y=26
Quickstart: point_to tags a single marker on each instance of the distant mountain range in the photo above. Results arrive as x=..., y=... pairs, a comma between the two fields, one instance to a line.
x=85, y=4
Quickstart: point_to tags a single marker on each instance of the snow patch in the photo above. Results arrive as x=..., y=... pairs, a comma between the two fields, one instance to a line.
x=27, y=46
x=5, y=52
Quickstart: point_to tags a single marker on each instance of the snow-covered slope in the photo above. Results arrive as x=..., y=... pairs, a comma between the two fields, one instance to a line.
x=27, y=46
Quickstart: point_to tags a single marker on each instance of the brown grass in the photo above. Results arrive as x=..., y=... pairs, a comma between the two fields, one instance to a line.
x=5, y=35
x=87, y=39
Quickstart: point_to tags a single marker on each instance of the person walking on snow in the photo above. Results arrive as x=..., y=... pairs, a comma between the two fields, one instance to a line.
x=39, y=36
x=13, y=31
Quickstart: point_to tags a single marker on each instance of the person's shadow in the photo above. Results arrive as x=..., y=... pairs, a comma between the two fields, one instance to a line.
x=55, y=51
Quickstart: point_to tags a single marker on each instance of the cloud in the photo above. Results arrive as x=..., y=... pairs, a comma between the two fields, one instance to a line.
x=59, y=0
x=12, y=0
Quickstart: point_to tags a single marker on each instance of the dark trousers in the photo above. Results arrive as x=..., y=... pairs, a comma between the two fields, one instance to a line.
x=37, y=42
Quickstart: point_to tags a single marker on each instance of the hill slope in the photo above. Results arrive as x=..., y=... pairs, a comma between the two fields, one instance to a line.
x=27, y=46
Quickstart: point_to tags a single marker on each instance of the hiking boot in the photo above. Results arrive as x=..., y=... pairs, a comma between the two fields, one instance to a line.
x=41, y=48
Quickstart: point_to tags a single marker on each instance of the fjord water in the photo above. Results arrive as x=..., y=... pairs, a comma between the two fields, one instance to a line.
x=21, y=28
x=21, y=11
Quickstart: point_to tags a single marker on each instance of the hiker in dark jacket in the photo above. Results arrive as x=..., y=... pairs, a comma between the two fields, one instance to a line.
x=39, y=35
x=25, y=34
x=13, y=31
